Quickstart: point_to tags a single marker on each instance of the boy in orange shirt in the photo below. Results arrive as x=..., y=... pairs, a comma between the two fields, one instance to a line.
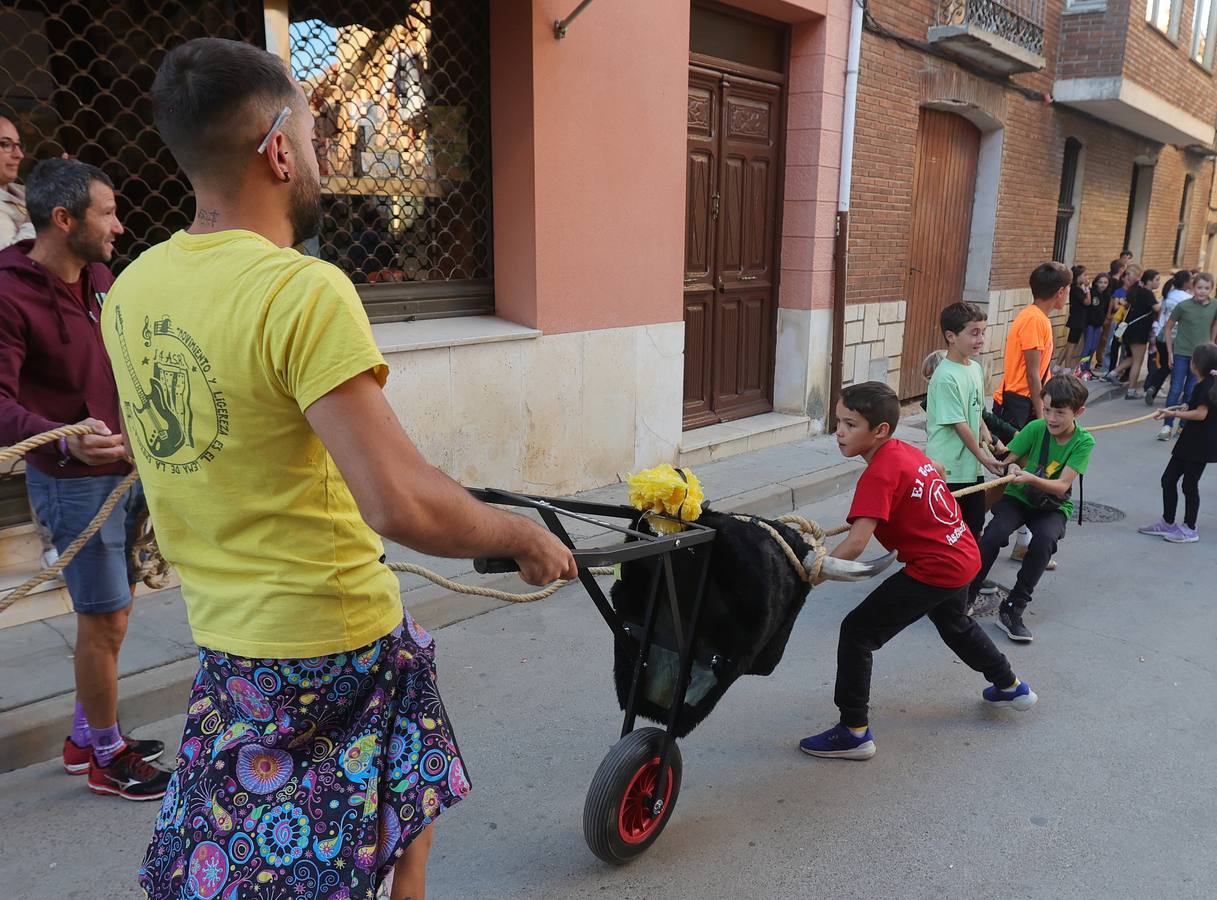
x=1029, y=347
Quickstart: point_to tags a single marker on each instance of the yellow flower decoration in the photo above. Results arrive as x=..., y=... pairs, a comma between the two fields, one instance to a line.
x=665, y=491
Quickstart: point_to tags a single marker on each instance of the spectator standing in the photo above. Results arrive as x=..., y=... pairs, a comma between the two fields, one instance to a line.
x=1137, y=326
x=54, y=370
x=14, y=217
x=1079, y=307
x=1096, y=319
x=1178, y=289
x=1191, y=323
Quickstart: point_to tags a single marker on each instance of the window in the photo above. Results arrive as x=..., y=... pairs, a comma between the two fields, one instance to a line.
x=401, y=95
x=1202, y=32
x=1164, y=15
x=1065, y=240
x=1185, y=208
x=1140, y=193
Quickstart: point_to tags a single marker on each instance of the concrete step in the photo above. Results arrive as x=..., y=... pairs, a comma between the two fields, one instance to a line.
x=19, y=544
x=48, y=599
x=703, y=445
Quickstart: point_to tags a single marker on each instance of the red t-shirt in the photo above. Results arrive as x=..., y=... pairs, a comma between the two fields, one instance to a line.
x=918, y=517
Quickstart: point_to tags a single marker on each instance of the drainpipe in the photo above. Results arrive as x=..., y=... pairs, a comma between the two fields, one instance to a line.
x=841, y=244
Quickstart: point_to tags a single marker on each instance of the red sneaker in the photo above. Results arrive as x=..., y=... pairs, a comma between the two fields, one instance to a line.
x=128, y=776
x=76, y=759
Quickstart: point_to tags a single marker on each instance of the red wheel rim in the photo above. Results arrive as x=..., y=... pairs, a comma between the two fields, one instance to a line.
x=635, y=821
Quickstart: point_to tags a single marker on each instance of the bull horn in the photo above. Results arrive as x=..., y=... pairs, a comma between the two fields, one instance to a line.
x=833, y=569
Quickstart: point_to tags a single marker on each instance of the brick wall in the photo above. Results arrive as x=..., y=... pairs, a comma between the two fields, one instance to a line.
x=1163, y=65
x=892, y=86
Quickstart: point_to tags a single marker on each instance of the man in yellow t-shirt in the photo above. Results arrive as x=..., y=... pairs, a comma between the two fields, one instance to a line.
x=1028, y=355
x=251, y=391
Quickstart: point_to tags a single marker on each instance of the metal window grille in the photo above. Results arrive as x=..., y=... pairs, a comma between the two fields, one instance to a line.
x=401, y=95
x=1065, y=209
x=1185, y=205
x=75, y=77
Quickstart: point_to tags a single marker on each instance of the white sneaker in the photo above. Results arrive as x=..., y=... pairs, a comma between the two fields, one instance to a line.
x=1165, y=433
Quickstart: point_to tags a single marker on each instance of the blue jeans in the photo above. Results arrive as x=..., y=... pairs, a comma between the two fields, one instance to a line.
x=1183, y=379
x=99, y=579
x=1093, y=332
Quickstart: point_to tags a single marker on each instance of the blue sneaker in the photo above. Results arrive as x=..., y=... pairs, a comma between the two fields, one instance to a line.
x=839, y=742
x=1021, y=698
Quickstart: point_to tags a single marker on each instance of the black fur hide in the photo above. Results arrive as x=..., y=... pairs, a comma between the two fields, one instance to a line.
x=752, y=597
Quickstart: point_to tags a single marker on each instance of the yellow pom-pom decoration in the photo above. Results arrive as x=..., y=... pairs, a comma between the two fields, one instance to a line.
x=665, y=491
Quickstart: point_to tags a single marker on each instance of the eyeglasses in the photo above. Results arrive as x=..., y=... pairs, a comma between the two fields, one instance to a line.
x=275, y=126
x=8, y=146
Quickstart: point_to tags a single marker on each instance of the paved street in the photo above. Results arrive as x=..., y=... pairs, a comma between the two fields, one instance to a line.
x=1107, y=789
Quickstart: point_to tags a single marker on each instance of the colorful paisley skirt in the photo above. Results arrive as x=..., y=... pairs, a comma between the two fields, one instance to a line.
x=305, y=778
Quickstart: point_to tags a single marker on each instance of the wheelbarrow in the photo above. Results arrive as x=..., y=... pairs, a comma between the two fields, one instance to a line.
x=669, y=666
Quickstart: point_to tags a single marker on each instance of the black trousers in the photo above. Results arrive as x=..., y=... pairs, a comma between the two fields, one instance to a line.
x=972, y=506
x=1190, y=472
x=892, y=607
x=1008, y=516
x=1015, y=409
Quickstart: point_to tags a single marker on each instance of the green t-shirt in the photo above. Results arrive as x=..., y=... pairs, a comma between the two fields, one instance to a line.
x=1074, y=453
x=1195, y=325
x=956, y=394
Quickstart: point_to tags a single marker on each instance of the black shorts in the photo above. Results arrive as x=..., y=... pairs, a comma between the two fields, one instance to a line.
x=1075, y=334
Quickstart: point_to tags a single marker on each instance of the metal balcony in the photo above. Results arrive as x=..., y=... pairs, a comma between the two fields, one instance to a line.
x=1004, y=36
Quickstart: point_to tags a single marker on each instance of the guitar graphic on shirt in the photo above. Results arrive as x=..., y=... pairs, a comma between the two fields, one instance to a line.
x=164, y=415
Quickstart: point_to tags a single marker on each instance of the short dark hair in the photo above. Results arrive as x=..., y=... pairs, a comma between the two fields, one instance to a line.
x=958, y=316
x=1116, y=266
x=1148, y=275
x=1048, y=278
x=61, y=182
x=1066, y=391
x=874, y=401
x=204, y=89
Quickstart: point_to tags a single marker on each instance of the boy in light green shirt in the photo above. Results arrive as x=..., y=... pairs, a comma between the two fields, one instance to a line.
x=954, y=406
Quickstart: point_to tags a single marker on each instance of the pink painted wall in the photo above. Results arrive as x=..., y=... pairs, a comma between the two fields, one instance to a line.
x=589, y=141
x=813, y=157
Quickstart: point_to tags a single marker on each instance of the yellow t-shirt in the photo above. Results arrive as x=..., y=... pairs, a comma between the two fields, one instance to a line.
x=219, y=343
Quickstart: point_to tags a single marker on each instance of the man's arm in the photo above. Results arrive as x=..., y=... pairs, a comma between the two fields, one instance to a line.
x=1034, y=385
x=411, y=502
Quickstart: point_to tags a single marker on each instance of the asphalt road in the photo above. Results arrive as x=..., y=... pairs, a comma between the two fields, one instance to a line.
x=1107, y=789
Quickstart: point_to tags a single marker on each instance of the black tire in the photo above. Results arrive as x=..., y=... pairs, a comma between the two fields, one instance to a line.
x=603, y=810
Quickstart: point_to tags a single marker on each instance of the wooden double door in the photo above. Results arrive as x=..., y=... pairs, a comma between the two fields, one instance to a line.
x=730, y=302
x=944, y=188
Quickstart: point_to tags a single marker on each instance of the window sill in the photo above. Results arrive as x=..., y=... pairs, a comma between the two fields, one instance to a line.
x=1172, y=39
x=1085, y=6
x=430, y=334
x=1207, y=70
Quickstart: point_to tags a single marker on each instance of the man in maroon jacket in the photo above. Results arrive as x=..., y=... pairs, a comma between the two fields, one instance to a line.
x=54, y=370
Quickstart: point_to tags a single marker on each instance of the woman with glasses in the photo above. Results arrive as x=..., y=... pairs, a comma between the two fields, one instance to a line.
x=14, y=220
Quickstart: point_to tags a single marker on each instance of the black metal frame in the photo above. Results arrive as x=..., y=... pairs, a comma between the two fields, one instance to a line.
x=695, y=539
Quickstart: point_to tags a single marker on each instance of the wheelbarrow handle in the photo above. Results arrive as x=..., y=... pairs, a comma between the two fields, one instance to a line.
x=484, y=565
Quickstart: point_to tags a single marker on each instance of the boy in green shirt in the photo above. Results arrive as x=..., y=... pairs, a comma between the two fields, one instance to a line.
x=1191, y=323
x=1052, y=452
x=954, y=405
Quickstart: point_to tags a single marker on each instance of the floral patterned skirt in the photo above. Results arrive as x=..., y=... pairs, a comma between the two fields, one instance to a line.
x=305, y=778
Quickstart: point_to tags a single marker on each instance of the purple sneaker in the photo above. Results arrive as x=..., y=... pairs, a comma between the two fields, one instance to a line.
x=1159, y=529
x=1181, y=534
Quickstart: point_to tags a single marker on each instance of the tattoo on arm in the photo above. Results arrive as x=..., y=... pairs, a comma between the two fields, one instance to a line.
x=208, y=217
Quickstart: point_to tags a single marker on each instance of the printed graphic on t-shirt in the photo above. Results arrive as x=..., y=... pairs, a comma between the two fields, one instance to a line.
x=182, y=417
x=942, y=504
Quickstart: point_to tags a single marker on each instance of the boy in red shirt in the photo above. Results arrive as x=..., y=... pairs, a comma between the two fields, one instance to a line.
x=903, y=501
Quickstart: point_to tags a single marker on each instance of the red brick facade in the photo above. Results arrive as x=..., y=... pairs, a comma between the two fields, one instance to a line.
x=896, y=81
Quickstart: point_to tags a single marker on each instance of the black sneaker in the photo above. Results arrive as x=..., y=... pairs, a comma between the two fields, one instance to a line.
x=129, y=777
x=1011, y=622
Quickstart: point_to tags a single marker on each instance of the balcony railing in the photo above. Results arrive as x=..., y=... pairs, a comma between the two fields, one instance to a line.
x=1005, y=35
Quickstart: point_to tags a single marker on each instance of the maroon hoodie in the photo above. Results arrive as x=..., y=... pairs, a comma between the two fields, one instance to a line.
x=53, y=366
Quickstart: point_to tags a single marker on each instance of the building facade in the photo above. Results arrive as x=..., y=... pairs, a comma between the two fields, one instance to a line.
x=995, y=134
x=583, y=253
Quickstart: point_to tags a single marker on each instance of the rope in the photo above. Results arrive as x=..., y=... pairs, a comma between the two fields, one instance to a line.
x=17, y=451
x=154, y=570
x=476, y=591
x=73, y=548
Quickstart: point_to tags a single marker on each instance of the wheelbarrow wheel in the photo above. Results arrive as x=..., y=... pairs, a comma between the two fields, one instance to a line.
x=618, y=821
